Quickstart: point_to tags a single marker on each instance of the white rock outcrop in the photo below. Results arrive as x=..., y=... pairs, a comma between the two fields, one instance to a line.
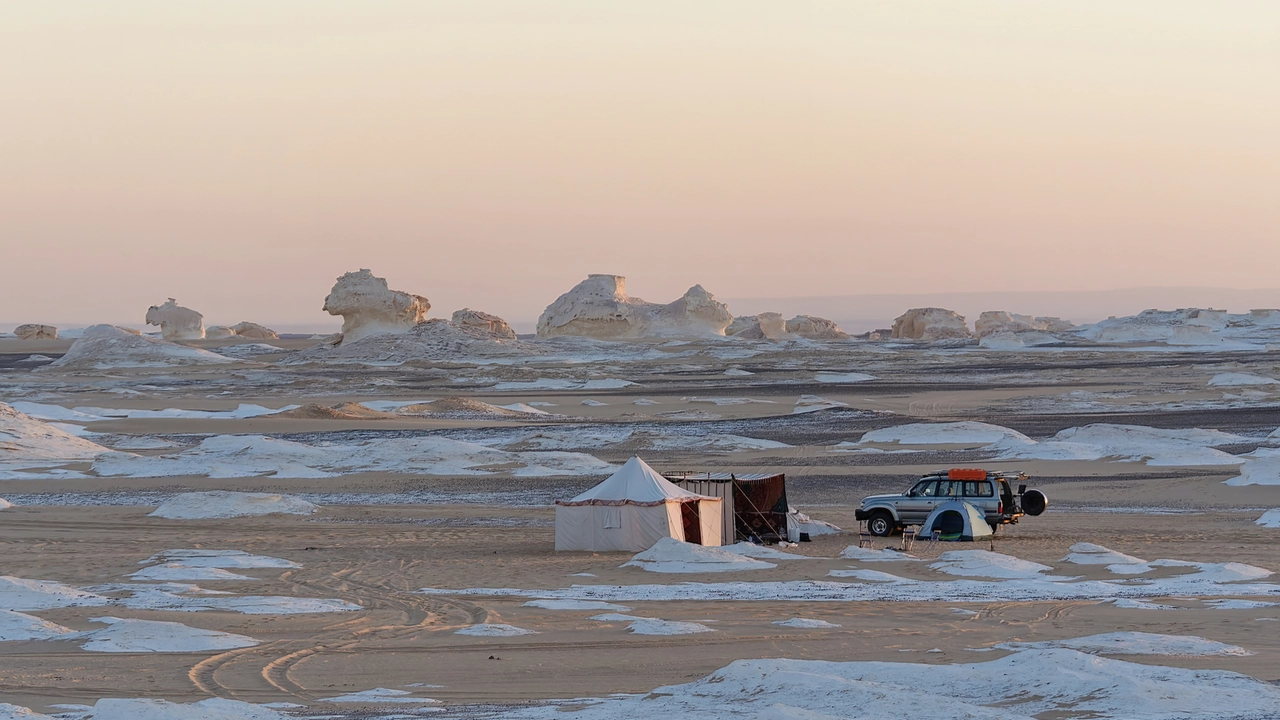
x=436, y=340
x=176, y=322
x=247, y=330
x=765, y=326
x=815, y=328
x=599, y=307
x=998, y=321
x=930, y=324
x=24, y=439
x=35, y=331
x=369, y=307
x=466, y=317
x=1191, y=326
x=103, y=347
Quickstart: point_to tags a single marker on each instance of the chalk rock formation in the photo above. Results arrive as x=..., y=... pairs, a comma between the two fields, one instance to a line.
x=176, y=322
x=33, y=331
x=434, y=340
x=815, y=328
x=24, y=439
x=765, y=326
x=369, y=307
x=103, y=347
x=929, y=325
x=247, y=330
x=599, y=307
x=1191, y=326
x=466, y=317
x=995, y=321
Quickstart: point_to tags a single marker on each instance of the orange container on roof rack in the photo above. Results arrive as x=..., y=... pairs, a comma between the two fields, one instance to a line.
x=967, y=474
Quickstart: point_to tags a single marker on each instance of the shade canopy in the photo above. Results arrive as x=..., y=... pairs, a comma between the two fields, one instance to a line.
x=635, y=483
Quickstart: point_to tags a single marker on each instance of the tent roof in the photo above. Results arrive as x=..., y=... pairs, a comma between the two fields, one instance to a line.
x=635, y=483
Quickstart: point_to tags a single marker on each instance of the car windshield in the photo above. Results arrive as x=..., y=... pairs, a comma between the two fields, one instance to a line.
x=924, y=488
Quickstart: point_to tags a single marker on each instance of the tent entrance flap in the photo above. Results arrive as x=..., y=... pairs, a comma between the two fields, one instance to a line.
x=755, y=505
x=692, y=522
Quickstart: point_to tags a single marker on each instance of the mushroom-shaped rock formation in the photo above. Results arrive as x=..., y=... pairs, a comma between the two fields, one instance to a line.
x=176, y=322
x=815, y=328
x=466, y=317
x=996, y=321
x=599, y=307
x=34, y=331
x=369, y=307
x=930, y=324
x=765, y=326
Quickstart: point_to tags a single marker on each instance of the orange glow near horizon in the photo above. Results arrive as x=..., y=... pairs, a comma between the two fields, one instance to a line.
x=241, y=155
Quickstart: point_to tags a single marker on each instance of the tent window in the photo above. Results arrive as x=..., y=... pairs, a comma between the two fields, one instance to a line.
x=612, y=517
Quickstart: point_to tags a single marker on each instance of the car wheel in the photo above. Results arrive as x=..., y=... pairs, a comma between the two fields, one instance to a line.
x=881, y=524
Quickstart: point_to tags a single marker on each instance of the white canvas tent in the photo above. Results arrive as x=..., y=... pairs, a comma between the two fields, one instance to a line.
x=633, y=509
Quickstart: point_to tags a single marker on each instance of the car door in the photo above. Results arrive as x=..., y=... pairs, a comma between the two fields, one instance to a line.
x=916, y=505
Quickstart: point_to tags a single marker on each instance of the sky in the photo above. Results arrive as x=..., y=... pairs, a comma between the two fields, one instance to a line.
x=240, y=155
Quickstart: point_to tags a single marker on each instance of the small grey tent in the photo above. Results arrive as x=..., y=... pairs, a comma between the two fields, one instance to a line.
x=956, y=520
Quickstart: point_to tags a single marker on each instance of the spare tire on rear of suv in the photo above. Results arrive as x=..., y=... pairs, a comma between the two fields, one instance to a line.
x=1034, y=502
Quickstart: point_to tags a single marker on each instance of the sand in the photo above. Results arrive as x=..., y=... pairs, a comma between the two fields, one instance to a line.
x=381, y=536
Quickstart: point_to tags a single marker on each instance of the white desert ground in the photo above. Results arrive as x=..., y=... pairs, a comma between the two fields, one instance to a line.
x=376, y=533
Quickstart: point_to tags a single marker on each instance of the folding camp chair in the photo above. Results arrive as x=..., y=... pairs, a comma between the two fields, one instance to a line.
x=908, y=537
x=864, y=535
x=933, y=539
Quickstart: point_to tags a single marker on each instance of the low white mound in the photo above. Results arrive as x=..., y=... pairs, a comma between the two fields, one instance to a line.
x=18, y=626
x=1135, y=604
x=806, y=525
x=368, y=307
x=967, y=432
x=807, y=623
x=929, y=325
x=492, y=324
x=104, y=347
x=176, y=322
x=1191, y=326
x=1270, y=518
x=22, y=594
x=669, y=555
x=225, y=504
x=575, y=605
x=1133, y=443
x=193, y=598
x=464, y=407
x=999, y=321
x=246, y=330
x=655, y=626
x=129, y=635
x=853, y=552
x=5, y=504
x=231, y=456
x=599, y=307
x=752, y=550
x=494, y=630
x=36, y=331
x=1137, y=643
x=1089, y=554
x=434, y=340
x=842, y=378
x=1233, y=379
x=219, y=559
x=765, y=326
x=1022, y=685
x=815, y=328
x=814, y=403
x=984, y=563
x=177, y=572
x=1261, y=467
x=24, y=440
x=381, y=696
x=148, y=709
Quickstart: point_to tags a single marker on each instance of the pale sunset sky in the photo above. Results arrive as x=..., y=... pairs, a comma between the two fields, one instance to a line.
x=239, y=155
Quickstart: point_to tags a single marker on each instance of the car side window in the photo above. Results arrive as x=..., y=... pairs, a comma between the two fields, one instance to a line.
x=980, y=488
x=924, y=488
x=949, y=488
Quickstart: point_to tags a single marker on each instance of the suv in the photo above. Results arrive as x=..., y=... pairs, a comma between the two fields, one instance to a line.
x=989, y=492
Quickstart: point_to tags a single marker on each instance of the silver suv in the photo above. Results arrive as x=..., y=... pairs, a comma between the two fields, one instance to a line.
x=989, y=492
